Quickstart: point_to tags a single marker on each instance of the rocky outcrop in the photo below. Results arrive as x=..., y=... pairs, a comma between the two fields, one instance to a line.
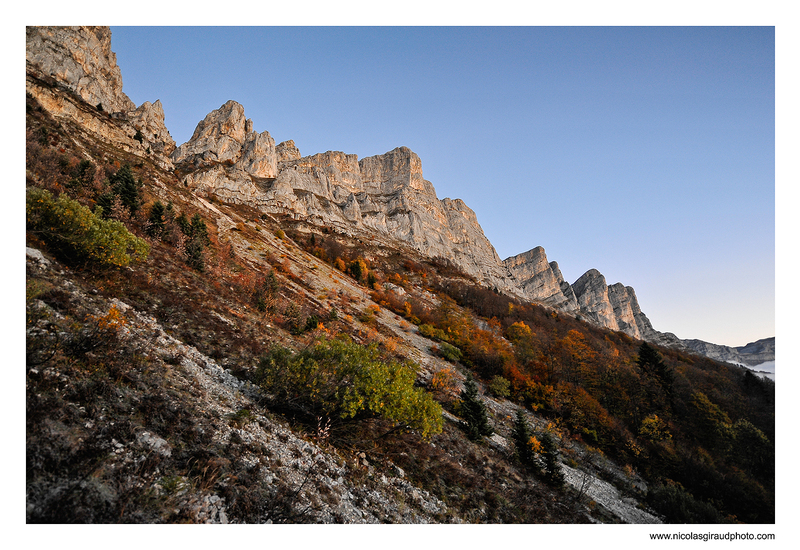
x=541, y=281
x=613, y=307
x=224, y=136
x=148, y=119
x=591, y=292
x=287, y=151
x=79, y=60
x=384, y=196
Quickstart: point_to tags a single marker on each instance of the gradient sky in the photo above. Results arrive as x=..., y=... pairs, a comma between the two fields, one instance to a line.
x=647, y=153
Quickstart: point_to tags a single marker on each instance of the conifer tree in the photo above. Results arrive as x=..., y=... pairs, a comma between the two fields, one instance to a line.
x=652, y=363
x=473, y=411
x=156, y=219
x=552, y=470
x=521, y=435
x=127, y=188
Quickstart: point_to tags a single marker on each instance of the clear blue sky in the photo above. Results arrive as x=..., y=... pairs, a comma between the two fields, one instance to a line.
x=647, y=153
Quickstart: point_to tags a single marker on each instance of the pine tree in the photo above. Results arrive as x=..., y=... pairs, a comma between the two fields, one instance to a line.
x=156, y=219
x=473, y=411
x=521, y=435
x=652, y=363
x=552, y=470
x=127, y=188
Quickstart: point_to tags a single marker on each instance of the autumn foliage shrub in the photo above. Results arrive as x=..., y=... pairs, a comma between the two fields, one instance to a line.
x=344, y=380
x=80, y=236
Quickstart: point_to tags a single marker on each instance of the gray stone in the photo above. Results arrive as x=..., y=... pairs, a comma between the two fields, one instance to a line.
x=540, y=281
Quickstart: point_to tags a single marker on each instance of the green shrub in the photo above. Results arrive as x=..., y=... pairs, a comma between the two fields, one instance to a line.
x=431, y=332
x=78, y=235
x=449, y=352
x=500, y=387
x=344, y=380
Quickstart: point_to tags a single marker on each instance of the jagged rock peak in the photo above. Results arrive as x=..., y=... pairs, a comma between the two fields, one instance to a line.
x=82, y=60
x=287, y=151
x=591, y=292
x=539, y=281
x=226, y=136
x=148, y=118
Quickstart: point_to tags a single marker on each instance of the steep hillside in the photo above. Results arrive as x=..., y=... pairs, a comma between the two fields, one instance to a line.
x=226, y=331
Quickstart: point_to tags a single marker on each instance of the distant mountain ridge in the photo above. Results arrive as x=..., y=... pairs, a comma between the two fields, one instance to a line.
x=752, y=354
x=384, y=197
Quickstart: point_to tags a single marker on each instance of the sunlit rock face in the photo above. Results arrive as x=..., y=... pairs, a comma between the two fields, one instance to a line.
x=591, y=292
x=541, y=281
x=384, y=195
x=148, y=119
x=79, y=59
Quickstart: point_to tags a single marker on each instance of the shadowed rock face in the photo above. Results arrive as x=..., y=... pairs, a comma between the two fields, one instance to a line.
x=751, y=354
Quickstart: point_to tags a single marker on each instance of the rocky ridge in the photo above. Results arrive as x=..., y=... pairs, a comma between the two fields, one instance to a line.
x=751, y=355
x=212, y=442
x=590, y=298
x=384, y=196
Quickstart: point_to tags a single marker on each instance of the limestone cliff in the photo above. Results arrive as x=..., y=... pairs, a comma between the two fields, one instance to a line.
x=614, y=307
x=591, y=292
x=541, y=281
x=384, y=196
x=79, y=60
x=73, y=74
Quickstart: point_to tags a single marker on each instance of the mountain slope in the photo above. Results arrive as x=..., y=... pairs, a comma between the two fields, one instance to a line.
x=146, y=396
